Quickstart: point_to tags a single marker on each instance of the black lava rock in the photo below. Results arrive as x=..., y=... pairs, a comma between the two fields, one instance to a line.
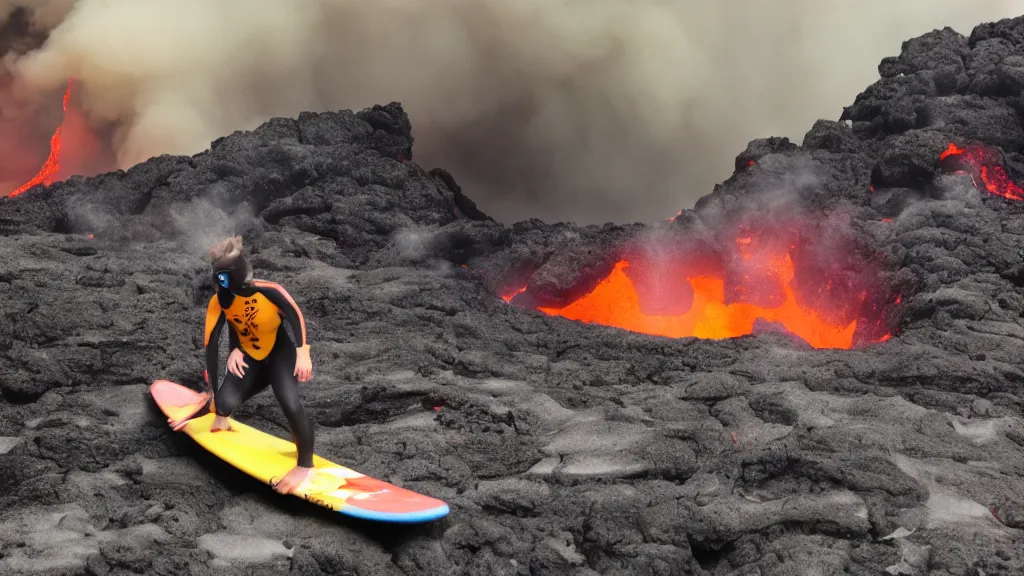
x=563, y=448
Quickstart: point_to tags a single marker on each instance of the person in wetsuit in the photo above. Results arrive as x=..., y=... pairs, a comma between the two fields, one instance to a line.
x=262, y=352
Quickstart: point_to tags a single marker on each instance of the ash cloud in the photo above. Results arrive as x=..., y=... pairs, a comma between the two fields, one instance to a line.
x=592, y=112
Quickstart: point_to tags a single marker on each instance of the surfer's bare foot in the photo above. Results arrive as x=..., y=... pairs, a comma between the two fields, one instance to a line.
x=292, y=479
x=220, y=423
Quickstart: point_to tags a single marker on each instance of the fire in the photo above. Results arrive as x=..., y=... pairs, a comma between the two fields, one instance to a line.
x=51, y=167
x=986, y=165
x=756, y=280
x=74, y=148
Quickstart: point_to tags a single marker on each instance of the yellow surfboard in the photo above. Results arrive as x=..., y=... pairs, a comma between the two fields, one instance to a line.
x=268, y=458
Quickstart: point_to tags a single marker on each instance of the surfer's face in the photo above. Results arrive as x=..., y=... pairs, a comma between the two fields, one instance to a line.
x=232, y=273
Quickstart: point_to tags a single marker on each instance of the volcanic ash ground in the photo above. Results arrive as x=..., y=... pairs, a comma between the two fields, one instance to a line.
x=815, y=371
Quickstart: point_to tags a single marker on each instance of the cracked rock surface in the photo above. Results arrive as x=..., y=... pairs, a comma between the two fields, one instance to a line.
x=562, y=448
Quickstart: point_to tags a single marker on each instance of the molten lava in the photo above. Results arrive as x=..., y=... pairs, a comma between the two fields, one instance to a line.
x=47, y=174
x=510, y=294
x=755, y=281
x=615, y=303
x=75, y=148
x=985, y=166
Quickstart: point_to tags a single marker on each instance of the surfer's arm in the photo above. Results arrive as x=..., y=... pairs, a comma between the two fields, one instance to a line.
x=233, y=340
x=279, y=297
x=215, y=320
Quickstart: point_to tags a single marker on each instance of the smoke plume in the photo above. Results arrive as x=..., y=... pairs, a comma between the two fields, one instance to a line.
x=619, y=110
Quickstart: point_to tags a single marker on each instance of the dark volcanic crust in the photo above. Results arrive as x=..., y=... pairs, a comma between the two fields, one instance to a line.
x=564, y=449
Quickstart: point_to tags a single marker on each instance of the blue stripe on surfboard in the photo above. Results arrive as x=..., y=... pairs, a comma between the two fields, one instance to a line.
x=396, y=517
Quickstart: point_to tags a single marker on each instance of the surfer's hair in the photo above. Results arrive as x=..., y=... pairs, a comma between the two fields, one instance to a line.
x=227, y=247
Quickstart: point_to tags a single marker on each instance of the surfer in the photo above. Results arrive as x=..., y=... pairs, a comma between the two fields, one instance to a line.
x=262, y=352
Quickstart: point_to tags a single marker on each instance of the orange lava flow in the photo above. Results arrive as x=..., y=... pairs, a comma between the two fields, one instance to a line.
x=615, y=302
x=994, y=177
x=509, y=295
x=51, y=167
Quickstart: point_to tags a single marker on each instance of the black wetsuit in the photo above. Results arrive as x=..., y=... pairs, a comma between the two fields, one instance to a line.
x=255, y=309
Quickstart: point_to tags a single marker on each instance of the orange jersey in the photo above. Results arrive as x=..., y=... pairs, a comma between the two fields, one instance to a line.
x=255, y=318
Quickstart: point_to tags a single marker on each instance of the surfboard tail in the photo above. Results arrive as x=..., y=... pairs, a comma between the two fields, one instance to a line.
x=414, y=517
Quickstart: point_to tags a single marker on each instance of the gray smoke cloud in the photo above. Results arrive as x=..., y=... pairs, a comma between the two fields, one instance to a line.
x=613, y=110
x=45, y=14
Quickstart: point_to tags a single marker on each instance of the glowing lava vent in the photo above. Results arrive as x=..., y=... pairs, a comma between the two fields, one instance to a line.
x=986, y=167
x=770, y=277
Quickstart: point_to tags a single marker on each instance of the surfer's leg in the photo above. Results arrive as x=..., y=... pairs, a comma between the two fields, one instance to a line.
x=234, y=390
x=257, y=385
x=281, y=369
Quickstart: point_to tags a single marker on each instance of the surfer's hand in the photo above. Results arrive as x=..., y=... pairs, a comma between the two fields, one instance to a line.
x=303, y=365
x=177, y=425
x=236, y=363
x=292, y=479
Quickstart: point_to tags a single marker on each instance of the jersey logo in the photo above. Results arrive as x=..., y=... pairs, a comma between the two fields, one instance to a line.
x=247, y=327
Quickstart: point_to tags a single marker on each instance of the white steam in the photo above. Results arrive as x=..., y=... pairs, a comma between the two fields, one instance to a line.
x=201, y=225
x=591, y=111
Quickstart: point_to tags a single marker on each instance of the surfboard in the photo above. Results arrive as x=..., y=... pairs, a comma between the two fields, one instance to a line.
x=268, y=458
